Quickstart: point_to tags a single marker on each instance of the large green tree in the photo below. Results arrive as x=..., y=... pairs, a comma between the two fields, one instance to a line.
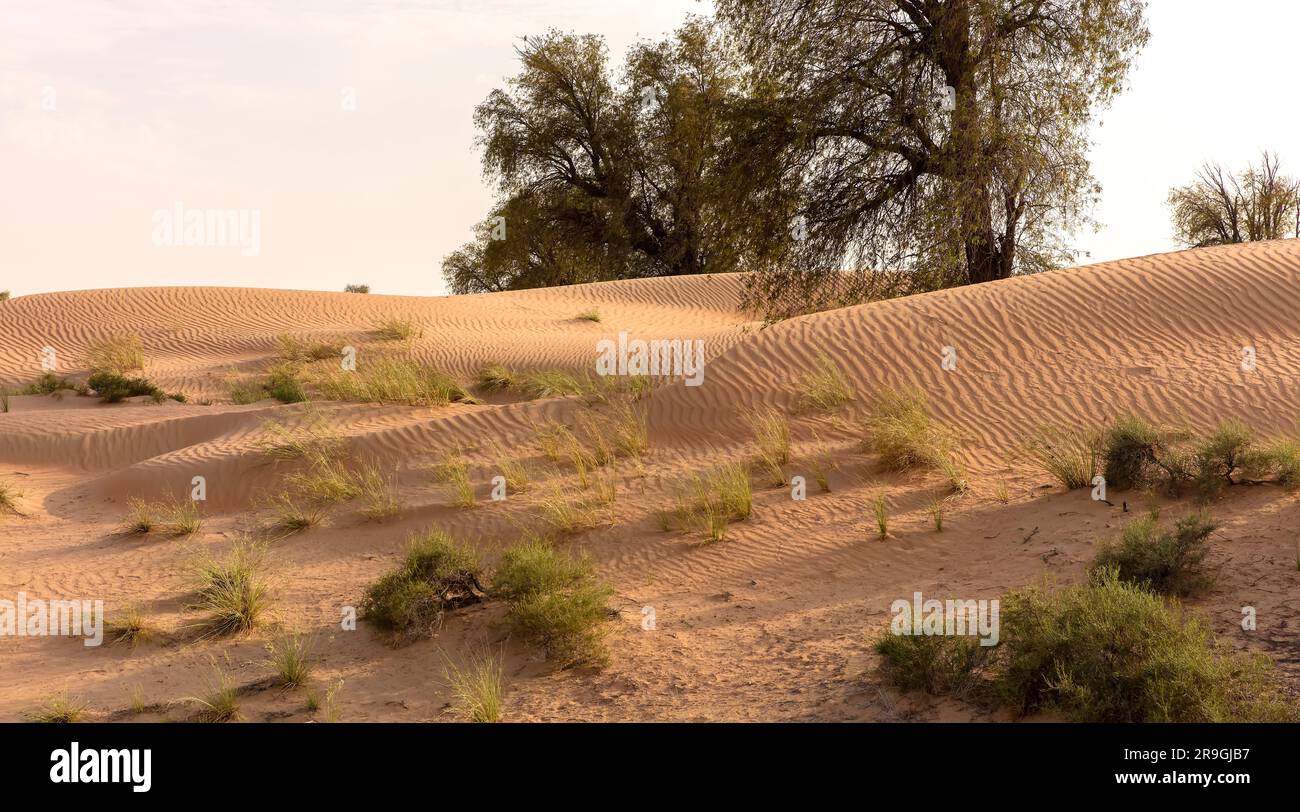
x=942, y=141
x=601, y=178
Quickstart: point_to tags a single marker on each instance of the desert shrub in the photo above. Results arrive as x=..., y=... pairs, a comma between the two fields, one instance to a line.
x=1130, y=448
x=1069, y=457
x=772, y=434
x=398, y=329
x=824, y=388
x=555, y=602
x=49, y=383
x=4, y=295
x=904, y=435
x=111, y=387
x=1111, y=651
x=363, y=288
x=496, y=378
x=233, y=591
x=1284, y=456
x=284, y=384
x=437, y=575
x=117, y=354
x=934, y=663
x=1227, y=450
x=1169, y=562
x=589, y=315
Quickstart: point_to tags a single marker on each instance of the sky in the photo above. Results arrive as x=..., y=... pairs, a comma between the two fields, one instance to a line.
x=338, y=133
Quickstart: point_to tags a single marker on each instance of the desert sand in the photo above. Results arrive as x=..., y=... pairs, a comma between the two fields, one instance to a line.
x=773, y=623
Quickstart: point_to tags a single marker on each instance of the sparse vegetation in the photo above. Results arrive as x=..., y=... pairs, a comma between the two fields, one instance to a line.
x=477, y=686
x=772, y=434
x=555, y=601
x=112, y=387
x=172, y=516
x=824, y=388
x=391, y=379
x=937, y=507
x=589, y=315
x=880, y=510
x=1169, y=562
x=233, y=591
x=378, y=493
x=313, y=438
x=297, y=350
x=49, y=384
x=437, y=575
x=290, y=515
x=363, y=288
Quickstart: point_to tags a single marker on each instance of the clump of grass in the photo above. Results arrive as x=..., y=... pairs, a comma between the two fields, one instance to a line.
x=711, y=500
x=589, y=315
x=4, y=400
x=904, y=435
x=1285, y=456
x=880, y=510
x=567, y=514
x=233, y=591
x=454, y=471
x=378, y=493
x=1069, y=457
x=555, y=601
x=1130, y=450
x=937, y=507
x=630, y=430
x=396, y=328
x=437, y=575
x=220, y=702
x=137, y=702
x=9, y=498
x=290, y=515
x=326, y=480
x=551, y=384
x=772, y=434
x=1002, y=492
x=824, y=388
x=173, y=517
x=283, y=382
x=1170, y=562
x=820, y=468
x=496, y=378
x=131, y=627
x=518, y=479
x=553, y=439
x=290, y=656
x=1111, y=651
x=934, y=663
x=118, y=353
x=478, y=686
x=59, y=710
x=297, y=350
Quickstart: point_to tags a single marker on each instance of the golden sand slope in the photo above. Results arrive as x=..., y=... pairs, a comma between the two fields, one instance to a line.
x=770, y=624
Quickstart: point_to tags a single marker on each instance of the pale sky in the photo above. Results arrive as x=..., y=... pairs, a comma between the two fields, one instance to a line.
x=111, y=110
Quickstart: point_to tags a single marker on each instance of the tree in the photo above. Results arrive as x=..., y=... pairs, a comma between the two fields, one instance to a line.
x=1219, y=208
x=603, y=179
x=940, y=140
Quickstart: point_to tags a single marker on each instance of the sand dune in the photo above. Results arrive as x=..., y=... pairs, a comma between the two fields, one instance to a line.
x=769, y=624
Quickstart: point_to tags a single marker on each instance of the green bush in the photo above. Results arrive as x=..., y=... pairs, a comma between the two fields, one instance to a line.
x=1110, y=651
x=1170, y=563
x=935, y=663
x=437, y=576
x=114, y=388
x=555, y=602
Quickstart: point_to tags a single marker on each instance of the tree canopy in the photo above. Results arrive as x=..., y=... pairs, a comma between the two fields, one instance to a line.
x=1220, y=208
